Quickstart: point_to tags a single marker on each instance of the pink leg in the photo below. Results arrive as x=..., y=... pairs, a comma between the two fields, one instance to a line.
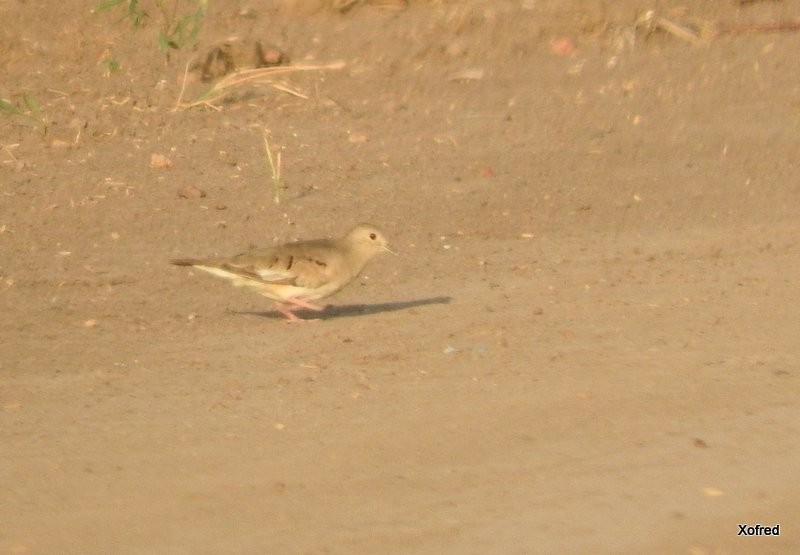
x=288, y=311
x=305, y=304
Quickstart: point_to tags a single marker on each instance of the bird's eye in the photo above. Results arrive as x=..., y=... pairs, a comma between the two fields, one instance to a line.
x=372, y=236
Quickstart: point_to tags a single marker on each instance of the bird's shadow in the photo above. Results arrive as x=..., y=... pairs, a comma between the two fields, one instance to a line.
x=340, y=311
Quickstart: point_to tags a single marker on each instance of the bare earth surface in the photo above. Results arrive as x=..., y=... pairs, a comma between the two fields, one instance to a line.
x=589, y=343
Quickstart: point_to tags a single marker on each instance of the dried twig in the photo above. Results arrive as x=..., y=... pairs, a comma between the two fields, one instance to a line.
x=762, y=28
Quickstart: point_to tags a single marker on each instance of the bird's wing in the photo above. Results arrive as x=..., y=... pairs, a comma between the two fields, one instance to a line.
x=309, y=264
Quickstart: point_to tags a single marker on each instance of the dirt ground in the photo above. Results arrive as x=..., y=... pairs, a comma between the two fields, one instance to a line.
x=589, y=343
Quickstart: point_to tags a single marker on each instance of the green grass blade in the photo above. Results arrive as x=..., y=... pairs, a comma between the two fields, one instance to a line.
x=33, y=105
x=106, y=5
x=9, y=108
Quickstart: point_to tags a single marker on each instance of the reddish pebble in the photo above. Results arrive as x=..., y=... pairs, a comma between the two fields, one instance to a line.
x=563, y=46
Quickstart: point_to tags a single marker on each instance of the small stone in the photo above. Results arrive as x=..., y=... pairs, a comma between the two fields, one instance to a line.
x=190, y=191
x=160, y=162
x=563, y=46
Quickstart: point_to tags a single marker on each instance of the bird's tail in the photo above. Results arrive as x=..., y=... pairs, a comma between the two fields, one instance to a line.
x=185, y=261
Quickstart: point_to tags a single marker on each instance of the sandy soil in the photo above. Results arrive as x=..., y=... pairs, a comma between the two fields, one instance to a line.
x=589, y=343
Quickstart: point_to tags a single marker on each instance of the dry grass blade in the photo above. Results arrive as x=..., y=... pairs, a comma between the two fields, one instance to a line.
x=259, y=75
x=283, y=87
x=8, y=151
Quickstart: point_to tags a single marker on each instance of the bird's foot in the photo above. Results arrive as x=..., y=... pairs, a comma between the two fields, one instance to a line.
x=287, y=310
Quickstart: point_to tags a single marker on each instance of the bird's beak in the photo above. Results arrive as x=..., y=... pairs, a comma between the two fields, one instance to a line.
x=388, y=249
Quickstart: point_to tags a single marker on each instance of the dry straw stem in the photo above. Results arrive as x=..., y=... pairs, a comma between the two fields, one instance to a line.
x=8, y=151
x=275, y=169
x=264, y=75
x=650, y=21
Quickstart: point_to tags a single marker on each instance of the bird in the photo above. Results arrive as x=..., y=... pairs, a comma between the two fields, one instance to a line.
x=295, y=274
